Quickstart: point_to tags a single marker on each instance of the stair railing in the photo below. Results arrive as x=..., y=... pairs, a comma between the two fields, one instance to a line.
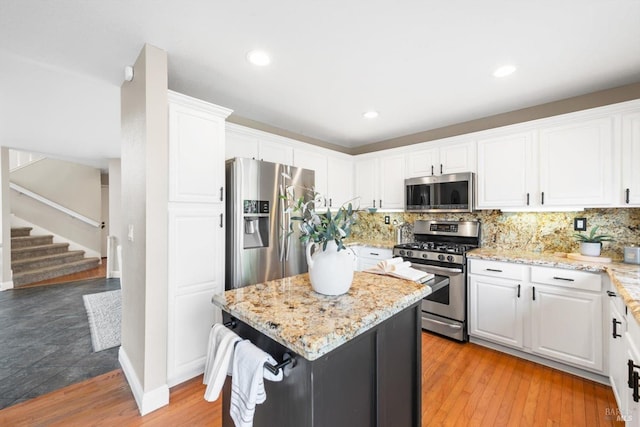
x=55, y=205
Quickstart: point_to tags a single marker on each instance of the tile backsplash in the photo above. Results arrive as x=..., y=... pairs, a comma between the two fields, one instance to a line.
x=537, y=232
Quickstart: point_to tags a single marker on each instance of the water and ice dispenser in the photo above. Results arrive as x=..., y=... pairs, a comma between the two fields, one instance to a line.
x=256, y=223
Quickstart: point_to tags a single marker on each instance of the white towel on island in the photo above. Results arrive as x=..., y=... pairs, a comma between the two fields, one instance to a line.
x=218, y=362
x=247, y=382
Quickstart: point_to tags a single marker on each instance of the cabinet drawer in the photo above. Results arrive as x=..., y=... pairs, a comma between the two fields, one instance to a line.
x=566, y=278
x=504, y=270
x=374, y=253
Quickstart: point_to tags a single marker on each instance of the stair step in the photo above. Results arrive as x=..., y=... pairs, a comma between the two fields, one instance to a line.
x=25, y=241
x=38, y=251
x=50, y=272
x=26, y=264
x=20, y=231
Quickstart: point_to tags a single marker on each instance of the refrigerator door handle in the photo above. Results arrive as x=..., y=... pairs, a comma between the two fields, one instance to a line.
x=281, y=225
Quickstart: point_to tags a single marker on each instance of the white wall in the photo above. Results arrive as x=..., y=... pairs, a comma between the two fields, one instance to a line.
x=5, y=222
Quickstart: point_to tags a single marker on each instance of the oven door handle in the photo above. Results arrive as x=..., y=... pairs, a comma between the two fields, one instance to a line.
x=444, y=324
x=430, y=268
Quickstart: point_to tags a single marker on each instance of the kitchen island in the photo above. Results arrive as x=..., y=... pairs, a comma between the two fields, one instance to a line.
x=357, y=357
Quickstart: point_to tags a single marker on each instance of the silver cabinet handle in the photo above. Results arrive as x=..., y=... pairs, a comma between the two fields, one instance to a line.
x=221, y=221
x=380, y=203
x=493, y=270
x=221, y=192
x=563, y=278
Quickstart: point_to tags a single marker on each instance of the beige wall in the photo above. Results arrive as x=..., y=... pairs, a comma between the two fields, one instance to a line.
x=115, y=203
x=144, y=210
x=5, y=221
x=74, y=186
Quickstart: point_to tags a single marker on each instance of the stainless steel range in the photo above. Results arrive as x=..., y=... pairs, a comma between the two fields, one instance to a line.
x=440, y=248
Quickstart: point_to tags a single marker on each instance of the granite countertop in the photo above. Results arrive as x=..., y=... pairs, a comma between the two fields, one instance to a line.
x=310, y=324
x=383, y=244
x=625, y=277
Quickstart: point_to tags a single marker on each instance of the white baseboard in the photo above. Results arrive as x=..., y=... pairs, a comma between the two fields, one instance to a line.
x=6, y=285
x=187, y=374
x=149, y=401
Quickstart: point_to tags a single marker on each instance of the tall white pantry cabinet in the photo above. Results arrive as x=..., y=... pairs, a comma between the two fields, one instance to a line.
x=196, y=231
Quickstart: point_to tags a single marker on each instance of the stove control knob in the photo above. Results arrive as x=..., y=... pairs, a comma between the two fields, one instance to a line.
x=409, y=253
x=401, y=251
x=450, y=258
x=425, y=255
x=441, y=257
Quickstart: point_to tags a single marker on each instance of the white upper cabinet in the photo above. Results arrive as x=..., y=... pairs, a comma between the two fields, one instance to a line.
x=253, y=144
x=340, y=181
x=566, y=164
x=380, y=181
x=576, y=163
x=444, y=158
x=367, y=178
x=631, y=159
x=391, y=182
x=505, y=171
x=196, y=150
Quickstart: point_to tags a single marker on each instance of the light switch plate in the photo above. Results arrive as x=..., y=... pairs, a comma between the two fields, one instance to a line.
x=387, y=219
x=580, y=224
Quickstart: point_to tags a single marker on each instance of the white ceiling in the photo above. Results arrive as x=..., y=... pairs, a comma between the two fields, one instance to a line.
x=422, y=64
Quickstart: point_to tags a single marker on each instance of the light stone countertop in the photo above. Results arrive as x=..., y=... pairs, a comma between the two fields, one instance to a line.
x=383, y=244
x=310, y=324
x=625, y=277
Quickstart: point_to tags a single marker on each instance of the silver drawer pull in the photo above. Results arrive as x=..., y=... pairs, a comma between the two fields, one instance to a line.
x=494, y=270
x=373, y=253
x=563, y=278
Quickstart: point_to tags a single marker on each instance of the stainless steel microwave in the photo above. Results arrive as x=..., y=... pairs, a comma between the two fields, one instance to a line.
x=445, y=193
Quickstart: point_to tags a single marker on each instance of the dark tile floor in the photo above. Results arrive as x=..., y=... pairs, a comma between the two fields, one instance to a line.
x=45, y=343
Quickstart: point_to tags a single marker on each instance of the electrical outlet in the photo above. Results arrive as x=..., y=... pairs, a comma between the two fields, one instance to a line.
x=580, y=224
x=387, y=219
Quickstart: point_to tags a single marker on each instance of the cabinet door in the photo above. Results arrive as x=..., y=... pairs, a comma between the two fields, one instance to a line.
x=495, y=308
x=631, y=159
x=196, y=155
x=505, y=171
x=240, y=145
x=575, y=164
x=196, y=272
x=275, y=152
x=366, y=174
x=391, y=182
x=567, y=326
x=316, y=162
x=340, y=182
x=457, y=158
x=618, y=370
x=422, y=163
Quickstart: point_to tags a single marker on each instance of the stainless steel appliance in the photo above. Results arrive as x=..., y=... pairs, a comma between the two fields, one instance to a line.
x=444, y=193
x=440, y=248
x=258, y=248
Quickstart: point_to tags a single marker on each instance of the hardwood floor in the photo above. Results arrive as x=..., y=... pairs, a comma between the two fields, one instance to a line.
x=462, y=385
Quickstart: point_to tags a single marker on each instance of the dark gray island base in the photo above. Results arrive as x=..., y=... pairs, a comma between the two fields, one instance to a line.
x=373, y=379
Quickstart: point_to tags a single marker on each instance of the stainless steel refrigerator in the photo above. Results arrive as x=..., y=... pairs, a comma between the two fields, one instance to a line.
x=257, y=246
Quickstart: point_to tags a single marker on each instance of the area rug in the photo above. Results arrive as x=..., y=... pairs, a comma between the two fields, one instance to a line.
x=104, y=310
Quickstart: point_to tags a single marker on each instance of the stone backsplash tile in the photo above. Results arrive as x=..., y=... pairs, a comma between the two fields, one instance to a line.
x=529, y=231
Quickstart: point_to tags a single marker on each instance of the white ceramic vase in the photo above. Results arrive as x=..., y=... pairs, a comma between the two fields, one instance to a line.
x=330, y=271
x=590, y=248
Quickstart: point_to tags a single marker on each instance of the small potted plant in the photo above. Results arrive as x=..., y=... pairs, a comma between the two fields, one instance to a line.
x=591, y=244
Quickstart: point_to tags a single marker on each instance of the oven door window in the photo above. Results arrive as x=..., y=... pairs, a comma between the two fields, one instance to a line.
x=440, y=295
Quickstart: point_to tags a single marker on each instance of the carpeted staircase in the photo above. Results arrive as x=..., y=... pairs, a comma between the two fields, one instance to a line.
x=36, y=258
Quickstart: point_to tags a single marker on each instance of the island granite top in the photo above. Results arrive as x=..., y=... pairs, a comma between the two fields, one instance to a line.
x=625, y=277
x=310, y=324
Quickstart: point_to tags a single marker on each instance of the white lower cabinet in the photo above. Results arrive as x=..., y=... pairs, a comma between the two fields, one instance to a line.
x=368, y=256
x=549, y=312
x=496, y=312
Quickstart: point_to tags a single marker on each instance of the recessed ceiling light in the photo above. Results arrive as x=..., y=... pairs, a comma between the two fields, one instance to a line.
x=504, y=71
x=258, y=57
x=370, y=114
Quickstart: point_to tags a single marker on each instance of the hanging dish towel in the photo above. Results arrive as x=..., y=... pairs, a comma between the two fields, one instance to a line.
x=218, y=363
x=247, y=382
